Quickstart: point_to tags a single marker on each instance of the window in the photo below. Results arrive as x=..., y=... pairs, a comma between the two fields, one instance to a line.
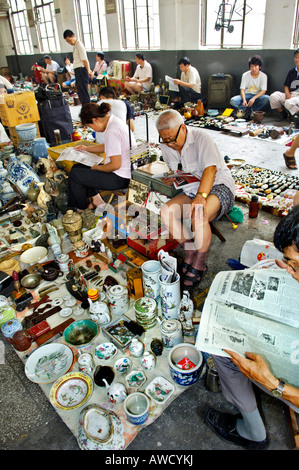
x=238, y=23
x=92, y=20
x=46, y=25
x=296, y=30
x=140, y=27
x=19, y=20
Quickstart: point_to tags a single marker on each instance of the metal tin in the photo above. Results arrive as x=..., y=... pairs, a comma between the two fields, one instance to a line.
x=171, y=331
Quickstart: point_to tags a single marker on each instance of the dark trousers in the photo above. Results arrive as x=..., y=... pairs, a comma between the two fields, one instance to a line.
x=84, y=183
x=187, y=94
x=82, y=81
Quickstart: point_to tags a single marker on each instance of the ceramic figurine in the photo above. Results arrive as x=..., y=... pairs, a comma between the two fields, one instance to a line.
x=186, y=306
x=136, y=348
x=116, y=392
x=72, y=223
x=43, y=198
x=54, y=238
x=148, y=361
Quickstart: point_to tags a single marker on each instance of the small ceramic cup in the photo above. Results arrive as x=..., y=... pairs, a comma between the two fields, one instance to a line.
x=137, y=408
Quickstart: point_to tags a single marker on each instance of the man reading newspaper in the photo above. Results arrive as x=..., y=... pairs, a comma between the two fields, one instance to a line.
x=256, y=311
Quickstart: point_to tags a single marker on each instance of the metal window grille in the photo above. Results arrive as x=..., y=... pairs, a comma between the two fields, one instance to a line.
x=19, y=21
x=92, y=22
x=45, y=24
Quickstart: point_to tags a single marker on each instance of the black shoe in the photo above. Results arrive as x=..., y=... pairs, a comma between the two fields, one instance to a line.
x=224, y=424
x=282, y=116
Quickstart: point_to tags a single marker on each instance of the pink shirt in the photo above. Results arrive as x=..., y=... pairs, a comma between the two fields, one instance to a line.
x=117, y=143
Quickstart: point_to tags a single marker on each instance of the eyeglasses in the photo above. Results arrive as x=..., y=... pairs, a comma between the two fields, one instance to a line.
x=166, y=142
x=293, y=264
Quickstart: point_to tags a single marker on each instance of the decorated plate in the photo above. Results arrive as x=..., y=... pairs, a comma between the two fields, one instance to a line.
x=159, y=390
x=106, y=351
x=71, y=391
x=135, y=378
x=116, y=441
x=48, y=363
x=97, y=423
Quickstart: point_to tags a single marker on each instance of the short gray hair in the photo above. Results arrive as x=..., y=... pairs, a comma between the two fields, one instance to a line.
x=169, y=119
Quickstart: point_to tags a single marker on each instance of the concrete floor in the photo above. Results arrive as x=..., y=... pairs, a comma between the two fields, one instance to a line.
x=28, y=420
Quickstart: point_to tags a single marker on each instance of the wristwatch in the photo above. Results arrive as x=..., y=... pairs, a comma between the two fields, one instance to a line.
x=204, y=195
x=277, y=392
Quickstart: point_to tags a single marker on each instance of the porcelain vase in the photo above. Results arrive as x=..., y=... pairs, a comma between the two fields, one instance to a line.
x=148, y=361
x=40, y=148
x=43, y=198
x=21, y=174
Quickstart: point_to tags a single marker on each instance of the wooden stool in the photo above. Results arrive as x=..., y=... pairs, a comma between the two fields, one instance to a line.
x=216, y=232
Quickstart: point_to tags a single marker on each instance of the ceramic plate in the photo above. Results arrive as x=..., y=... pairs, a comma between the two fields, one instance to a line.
x=71, y=391
x=65, y=312
x=135, y=378
x=123, y=364
x=159, y=390
x=97, y=423
x=48, y=363
x=106, y=351
x=116, y=442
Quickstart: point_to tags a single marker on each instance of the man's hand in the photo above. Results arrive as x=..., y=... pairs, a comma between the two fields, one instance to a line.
x=198, y=204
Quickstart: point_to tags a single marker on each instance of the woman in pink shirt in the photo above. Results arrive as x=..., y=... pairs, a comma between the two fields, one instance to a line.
x=85, y=182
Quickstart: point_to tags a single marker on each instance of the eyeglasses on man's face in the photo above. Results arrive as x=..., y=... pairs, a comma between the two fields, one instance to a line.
x=173, y=141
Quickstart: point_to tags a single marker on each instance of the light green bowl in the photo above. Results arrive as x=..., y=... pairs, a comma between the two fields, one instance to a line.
x=80, y=333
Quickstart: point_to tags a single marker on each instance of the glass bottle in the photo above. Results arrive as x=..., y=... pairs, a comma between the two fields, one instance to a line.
x=254, y=206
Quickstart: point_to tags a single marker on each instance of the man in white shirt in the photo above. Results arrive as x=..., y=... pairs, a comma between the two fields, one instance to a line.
x=253, y=89
x=49, y=74
x=142, y=78
x=189, y=83
x=193, y=151
x=81, y=66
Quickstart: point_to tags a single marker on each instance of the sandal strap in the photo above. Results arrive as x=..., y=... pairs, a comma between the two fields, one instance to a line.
x=290, y=161
x=195, y=271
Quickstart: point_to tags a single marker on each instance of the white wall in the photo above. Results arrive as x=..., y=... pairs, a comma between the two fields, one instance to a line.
x=279, y=24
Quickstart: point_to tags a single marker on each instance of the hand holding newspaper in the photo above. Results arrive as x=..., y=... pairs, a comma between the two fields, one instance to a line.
x=79, y=156
x=172, y=86
x=255, y=310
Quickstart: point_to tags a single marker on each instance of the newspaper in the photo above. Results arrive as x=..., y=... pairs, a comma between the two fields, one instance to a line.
x=255, y=311
x=80, y=156
x=172, y=86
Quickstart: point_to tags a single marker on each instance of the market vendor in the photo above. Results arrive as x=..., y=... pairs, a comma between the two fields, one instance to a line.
x=207, y=199
x=85, y=182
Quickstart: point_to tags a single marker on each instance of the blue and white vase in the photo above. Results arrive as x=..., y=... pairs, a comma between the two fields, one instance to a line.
x=40, y=148
x=21, y=174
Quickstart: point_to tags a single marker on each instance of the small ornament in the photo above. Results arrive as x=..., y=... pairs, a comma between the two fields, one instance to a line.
x=157, y=346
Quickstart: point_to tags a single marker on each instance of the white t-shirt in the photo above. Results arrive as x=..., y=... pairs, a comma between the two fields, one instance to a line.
x=254, y=85
x=117, y=142
x=119, y=109
x=79, y=54
x=199, y=152
x=192, y=76
x=70, y=69
x=145, y=72
x=53, y=67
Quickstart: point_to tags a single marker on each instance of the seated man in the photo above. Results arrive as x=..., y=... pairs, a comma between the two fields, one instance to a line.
x=120, y=108
x=190, y=82
x=252, y=89
x=71, y=82
x=49, y=74
x=192, y=150
x=142, y=78
x=290, y=98
x=247, y=428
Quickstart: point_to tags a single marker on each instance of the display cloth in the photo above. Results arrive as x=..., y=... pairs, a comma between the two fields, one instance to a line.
x=123, y=431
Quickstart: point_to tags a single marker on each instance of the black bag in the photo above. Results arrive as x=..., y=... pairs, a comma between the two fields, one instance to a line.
x=55, y=114
x=51, y=92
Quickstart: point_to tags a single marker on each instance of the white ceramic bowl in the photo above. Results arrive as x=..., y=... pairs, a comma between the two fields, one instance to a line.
x=34, y=255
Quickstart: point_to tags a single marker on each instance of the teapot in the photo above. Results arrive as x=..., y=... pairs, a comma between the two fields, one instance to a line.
x=99, y=312
x=116, y=392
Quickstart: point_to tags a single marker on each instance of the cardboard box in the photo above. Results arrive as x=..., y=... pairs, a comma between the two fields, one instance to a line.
x=116, y=83
x=66, y=165
x=150, y=248
x=14, y=136
x=18, y=108
x=121, y=69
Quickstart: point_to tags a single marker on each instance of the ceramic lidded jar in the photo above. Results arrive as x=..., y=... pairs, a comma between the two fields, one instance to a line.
x=171, y=331
x=148, y=361
x=10, y=327
x=72, y=223
x=136, y=348
x=118, y=299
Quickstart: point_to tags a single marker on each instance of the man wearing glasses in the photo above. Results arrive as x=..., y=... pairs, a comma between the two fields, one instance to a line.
x=236, y=374
x=193, y=151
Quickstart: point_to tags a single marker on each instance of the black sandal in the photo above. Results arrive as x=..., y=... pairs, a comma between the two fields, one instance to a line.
x=290, y=161
x=186, y=266
x=194, y=279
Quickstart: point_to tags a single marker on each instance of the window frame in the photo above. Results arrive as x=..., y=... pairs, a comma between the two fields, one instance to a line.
x=79, y=15
x=36, y=6
x=12, y=14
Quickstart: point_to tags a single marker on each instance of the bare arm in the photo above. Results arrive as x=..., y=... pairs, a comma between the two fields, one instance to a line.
x=114, y=164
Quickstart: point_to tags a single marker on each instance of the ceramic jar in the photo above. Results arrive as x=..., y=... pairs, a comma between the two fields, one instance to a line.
x=118, y=299
x=148, y=361
x=146, y=312
x=43, y=197
x=40, y=148
x=136, y=348
x=151, y=271
x=185, y=364
x=86, y=363
x=171, y=331
x=116, y=392
x=170, y=298
x=72, y=223
x=136, y=407
x=32, y=192
x=11, y=327
x=63, y=261
x=21, y=174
